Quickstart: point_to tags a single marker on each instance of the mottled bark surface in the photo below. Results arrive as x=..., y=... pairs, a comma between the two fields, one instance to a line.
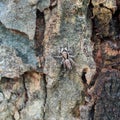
x=33, y=83
x=105, y=88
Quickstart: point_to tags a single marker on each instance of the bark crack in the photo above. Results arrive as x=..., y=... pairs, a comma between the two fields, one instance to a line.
x=39, y=36
x=39, y=48
x=45, y=95
x=26, y=93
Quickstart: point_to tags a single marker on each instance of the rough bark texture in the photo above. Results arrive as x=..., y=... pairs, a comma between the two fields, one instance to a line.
x=34, y=85
x=106, y=36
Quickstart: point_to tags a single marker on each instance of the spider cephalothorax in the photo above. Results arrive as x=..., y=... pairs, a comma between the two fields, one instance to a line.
x=64, y=53
x=67, y=61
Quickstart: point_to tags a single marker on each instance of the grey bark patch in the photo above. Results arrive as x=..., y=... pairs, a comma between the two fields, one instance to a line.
x=17, y=54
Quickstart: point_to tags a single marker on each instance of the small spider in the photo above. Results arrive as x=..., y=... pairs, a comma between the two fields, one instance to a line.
x=67, y=61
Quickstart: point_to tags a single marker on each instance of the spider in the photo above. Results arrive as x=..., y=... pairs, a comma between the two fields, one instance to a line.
x=67, y=59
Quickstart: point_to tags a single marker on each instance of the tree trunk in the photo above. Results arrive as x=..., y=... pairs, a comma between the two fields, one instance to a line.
x=59, y=60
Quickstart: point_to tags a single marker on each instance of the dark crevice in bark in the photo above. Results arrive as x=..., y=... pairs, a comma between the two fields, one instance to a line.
x=39, y=36
x=39, y=33
x=86, y=86
x=45, y=95
x=116, y=21
x=26, y=93
x=83, y=77
x=90, y=10
x=39, y=47
x=92, y=112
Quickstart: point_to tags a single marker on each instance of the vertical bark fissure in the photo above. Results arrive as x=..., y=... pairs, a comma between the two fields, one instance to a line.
x=38, y=39
x=26, y=93
x=92, y=112
x=39, y=47
x=45, y=95
x=116, y=20
x=39, y=33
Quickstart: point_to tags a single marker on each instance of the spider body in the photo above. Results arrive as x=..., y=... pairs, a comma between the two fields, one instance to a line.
x=67, y=61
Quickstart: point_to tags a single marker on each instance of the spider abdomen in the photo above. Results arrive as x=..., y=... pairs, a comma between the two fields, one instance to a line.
x=68, y=64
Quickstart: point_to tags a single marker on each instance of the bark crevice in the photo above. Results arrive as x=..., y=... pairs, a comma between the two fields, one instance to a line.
x=45, y=94
x=39, y=48
x=25, y=92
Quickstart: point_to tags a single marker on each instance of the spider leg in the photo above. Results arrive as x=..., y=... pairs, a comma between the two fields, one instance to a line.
x=57, y=56
x=72, y=61
x=72, y=56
